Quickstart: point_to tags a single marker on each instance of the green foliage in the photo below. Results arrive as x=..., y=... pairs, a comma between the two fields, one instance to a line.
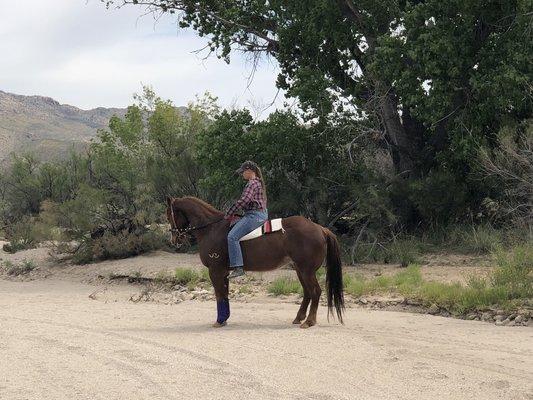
x=186, y=276
x=480, y=239
x=117, y=245
x=106, y=201
x=22, y=235
x=514, y=271
x=284, y=286
x=23, y=268
x=437, y=77
x=402, y=250
x=510, y=285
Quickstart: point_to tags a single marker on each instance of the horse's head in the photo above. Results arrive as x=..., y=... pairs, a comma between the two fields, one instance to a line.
x=178, y=222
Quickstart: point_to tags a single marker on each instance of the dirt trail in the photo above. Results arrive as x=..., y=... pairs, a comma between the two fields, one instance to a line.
x=56, y=343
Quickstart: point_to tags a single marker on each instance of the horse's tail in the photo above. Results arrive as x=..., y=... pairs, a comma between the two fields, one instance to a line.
x=334, y=284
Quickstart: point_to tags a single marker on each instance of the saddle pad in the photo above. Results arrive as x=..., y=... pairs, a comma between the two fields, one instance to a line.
x=272, y=225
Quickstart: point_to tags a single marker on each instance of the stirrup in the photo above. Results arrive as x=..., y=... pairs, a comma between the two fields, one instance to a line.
x=236, y=272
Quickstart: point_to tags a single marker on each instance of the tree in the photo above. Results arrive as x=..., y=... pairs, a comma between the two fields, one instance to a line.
x=436, y=77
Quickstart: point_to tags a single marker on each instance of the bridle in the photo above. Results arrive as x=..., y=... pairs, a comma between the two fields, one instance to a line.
x=188, y=229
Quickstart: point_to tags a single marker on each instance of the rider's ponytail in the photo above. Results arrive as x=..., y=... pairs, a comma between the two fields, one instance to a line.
x=260, y=176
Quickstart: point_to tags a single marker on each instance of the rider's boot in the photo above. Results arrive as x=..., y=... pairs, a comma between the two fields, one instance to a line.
x=235, y=272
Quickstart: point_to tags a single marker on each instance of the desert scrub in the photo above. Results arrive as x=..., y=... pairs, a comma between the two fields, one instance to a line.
x=245, y=289
x=403, y=282
x=115, y=246
x=284, y=285
x=25, y=267
x=21, y=236
x=510, y=285
x=186, y=276
x=403, y=251
x=477, y=239
x=514, y=271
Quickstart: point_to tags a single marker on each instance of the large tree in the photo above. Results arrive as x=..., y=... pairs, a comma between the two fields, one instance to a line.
x=435, y=76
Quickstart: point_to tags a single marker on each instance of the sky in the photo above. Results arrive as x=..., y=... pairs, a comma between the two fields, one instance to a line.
x=82, y=54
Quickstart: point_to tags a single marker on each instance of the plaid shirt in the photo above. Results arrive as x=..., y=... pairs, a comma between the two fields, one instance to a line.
x=251, y=198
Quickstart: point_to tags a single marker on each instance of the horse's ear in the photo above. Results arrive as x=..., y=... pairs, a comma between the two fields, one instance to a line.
x=169, y=200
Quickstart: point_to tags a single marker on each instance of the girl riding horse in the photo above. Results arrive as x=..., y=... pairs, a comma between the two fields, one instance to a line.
x=301, y=241
x=253, y=201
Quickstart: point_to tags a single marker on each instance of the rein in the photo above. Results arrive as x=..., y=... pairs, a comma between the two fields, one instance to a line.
x=193, y=228
x=189, y=228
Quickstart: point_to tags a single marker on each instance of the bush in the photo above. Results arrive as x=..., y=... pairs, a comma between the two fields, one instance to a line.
x=186, y=276
x=510, y=285
x=22, y=235
x=114, y=246
x=404, y=251
x=479, y=239
x=25, y=267
x=514, y=271
x=284, y=286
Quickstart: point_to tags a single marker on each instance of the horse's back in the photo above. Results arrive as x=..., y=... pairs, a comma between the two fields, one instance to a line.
x=300, y=226
x=299, y=240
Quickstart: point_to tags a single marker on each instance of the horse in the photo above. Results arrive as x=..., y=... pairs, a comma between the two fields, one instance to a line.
x=301, y=241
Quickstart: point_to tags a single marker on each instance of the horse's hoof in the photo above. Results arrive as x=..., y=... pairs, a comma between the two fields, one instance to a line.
x=306, y=325
x=219, y=325
x=297, y=321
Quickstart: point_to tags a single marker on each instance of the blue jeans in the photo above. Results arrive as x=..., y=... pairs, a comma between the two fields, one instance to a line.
x=250, y=221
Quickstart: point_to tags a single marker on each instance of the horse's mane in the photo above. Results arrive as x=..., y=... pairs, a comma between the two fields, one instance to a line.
x=202, y=203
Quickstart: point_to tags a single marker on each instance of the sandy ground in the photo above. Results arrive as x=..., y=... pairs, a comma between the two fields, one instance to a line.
x=57, y=343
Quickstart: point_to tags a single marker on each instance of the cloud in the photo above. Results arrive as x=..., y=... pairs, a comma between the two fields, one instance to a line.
x=80, y=53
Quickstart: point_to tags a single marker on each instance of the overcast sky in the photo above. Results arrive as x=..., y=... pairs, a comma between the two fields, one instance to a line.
x=82, y=54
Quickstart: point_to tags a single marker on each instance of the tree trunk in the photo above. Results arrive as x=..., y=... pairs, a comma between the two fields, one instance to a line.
x=403, y=147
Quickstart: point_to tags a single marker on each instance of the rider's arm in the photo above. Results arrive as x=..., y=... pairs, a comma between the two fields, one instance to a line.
x=246, y=196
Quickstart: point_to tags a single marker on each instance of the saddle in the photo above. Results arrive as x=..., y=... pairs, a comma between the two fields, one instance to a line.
x=271, y=225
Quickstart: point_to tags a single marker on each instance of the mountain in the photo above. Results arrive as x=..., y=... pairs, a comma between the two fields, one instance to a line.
x=46, y=128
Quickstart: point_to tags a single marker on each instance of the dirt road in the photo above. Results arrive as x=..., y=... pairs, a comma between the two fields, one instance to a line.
x=56, y=343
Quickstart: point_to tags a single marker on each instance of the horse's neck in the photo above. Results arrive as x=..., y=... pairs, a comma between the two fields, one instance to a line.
x=198, y=214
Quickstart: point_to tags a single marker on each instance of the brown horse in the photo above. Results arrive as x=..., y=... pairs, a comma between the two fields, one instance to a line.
x=302, y=241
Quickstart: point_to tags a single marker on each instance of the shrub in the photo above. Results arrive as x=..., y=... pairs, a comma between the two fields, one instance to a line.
x=479, y=239
x=403, y=251
x=121, y=245
x=21, y=235
x=355, y=285
x=510, y=285
x=284, y=286
x=514, y=271
x=25, y=267
x=186, y=276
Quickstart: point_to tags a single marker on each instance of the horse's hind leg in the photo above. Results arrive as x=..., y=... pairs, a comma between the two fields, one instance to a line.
x=302, y=312
x=314, y=291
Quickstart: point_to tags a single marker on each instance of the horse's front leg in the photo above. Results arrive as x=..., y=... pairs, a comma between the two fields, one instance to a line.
x=219, y=279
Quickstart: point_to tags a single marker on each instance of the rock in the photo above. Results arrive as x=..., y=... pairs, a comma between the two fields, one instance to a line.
x=499, y=317
x=363, y=301
x=511, y=323
x=499, y=322
x=487, y=317
x=433, y=309
x=471, y=316
x=412, y=302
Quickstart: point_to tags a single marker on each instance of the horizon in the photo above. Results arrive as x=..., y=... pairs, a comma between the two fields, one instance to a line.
x=84, y=55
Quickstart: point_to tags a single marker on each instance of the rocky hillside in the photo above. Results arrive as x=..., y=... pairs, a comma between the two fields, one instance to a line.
x=43, y=126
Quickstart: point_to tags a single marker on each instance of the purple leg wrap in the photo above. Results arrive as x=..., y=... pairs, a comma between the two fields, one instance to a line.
x=222, y=310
